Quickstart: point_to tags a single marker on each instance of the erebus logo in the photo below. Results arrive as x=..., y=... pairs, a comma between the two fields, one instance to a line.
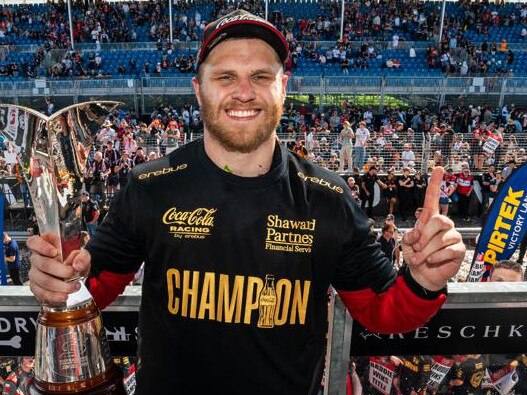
x=164, y=171
x=321, y=182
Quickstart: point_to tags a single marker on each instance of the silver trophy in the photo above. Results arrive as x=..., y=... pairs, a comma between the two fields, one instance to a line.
x=72, y=354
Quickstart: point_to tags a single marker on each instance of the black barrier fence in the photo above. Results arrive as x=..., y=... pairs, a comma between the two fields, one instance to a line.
x=478, y=318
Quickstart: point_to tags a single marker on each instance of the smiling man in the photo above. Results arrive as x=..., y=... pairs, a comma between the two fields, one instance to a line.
x=241, y=240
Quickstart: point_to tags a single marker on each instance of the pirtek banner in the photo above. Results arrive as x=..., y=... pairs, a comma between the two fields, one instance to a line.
x=505, y=226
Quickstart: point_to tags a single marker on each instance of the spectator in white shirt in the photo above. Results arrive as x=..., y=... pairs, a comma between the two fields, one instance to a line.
x=407, y=155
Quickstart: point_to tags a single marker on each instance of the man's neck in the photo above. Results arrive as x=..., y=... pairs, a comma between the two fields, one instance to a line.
x=253, y=164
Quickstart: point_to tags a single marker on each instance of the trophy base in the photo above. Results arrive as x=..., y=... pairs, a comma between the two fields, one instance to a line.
x=112, y=384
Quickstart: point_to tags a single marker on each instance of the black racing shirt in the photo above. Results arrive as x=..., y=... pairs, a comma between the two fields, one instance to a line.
x=234, y=298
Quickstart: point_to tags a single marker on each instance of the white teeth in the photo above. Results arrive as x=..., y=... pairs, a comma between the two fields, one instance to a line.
x=242, y=114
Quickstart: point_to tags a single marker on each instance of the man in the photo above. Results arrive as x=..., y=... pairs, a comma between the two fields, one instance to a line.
x=233, y=228
x=354, y=188
x=19, y=380
x=12, y=258
x=111, y=157
x=97, y=174
x=299, y=148
x=506, y=271
x=107, y=133
x=406, y=197
x=387, y=242
x=90, y=213
x=362, y=135
x=494, y=186
x=464, y=187
x=407, y=155
x=369, y=179
x=511, y=165
x=123, y=168
x=488, y=176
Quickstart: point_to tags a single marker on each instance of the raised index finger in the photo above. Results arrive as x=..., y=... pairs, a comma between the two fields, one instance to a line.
x=431, y=204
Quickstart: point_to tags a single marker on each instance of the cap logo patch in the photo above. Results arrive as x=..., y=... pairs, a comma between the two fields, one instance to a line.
x=240, y=18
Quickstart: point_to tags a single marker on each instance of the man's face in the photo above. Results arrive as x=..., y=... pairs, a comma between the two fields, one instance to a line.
x=241, y=93
x=27, y=364
x=505, y=275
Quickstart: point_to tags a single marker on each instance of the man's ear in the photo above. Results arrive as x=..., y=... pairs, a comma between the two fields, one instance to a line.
x=195, y=85
x=285, y=78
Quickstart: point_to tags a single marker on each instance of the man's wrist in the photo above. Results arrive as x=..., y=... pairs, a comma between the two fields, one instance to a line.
x=420, y=286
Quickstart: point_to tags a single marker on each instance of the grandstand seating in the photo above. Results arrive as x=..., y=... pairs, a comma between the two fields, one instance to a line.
x=20, y=22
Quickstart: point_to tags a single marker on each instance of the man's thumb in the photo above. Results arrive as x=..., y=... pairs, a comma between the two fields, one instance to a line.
x=81, y=262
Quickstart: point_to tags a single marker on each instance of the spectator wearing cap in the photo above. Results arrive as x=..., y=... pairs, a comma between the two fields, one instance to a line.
x=465, y=185
x=90, y=213
x=107, y=132
x=511, y=165
x=346, y=151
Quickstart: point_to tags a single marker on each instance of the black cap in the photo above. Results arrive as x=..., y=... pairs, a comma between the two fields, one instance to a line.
x=241, y=24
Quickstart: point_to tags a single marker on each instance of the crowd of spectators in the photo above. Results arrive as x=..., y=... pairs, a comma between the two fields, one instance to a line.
x=393, y=145
x=364, y=21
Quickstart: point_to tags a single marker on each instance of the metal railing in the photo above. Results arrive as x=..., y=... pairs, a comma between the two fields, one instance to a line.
x=303, y=84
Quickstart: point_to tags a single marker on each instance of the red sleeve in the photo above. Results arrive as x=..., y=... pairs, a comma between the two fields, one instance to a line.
x=396, y=310
x=107, y=286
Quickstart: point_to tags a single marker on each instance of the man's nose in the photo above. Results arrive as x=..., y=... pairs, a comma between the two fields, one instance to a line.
x=244, y=90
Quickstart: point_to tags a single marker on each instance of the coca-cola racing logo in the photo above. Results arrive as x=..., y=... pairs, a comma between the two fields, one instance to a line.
x=194, y=224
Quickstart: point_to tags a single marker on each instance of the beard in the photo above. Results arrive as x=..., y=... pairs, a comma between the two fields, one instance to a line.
x=232, y=138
